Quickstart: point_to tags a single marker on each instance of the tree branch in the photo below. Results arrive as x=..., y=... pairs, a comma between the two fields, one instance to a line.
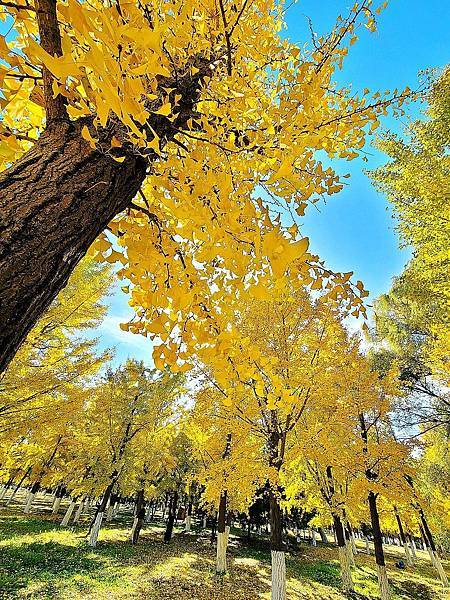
x=50, y=40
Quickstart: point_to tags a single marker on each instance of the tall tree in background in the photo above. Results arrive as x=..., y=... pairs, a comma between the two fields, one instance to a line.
x=414, y=316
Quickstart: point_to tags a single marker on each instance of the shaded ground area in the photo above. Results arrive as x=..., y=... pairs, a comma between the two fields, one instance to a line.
x=41, y=560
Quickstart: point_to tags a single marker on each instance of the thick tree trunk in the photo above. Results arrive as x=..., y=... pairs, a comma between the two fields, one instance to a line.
x=378, y=544
x=54, y=202
x=171, y=518
x=344, y=560
x=139, y=516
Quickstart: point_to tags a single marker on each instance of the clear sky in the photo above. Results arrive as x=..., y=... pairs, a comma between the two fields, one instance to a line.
x=354, y=231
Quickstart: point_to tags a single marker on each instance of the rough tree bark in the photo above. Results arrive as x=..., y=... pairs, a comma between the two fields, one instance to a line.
x=61, y=194
x=54, y=202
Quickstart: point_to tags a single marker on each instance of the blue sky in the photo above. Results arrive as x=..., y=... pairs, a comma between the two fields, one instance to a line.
x=353, y=231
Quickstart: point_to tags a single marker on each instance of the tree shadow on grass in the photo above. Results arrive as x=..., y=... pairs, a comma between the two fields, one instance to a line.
x=326, y=573
x=14, y=526
x=45, y=563
x=413, y=589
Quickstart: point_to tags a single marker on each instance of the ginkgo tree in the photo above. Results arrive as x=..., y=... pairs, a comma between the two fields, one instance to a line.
x=270, y=365
x=230, y=464
x=157, y=127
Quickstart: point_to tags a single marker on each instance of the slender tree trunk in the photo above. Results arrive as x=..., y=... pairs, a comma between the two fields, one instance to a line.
x=277, y=549
x=352, y=539
x=171, y=518
x=34, y=490
x=139, y=517
x=150, y=511
x=187, y=527
x=57, y=501
x=429, y=541
x=403, y=540
x=69, y=511
x=221, y=554
x=344, y=559
x=383, y=583
x=167, y=501
x=6, y=487
x=17, y=488
x=79, y=511
x=323, y=535
x=412, y=545
x=348, y=546
x=111, y=507
x=98, y=518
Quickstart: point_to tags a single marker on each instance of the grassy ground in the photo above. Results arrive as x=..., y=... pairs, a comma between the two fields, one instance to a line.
x=40, y=560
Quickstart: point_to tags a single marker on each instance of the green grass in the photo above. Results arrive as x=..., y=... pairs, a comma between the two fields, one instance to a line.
x=40, y=560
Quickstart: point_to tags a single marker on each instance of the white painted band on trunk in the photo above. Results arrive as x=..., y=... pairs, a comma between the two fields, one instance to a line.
x=440, y=569
x=95, y=530
x=278, y=575
x=68, y=514
x=56, y=505
x=383, y=583
x=29, y=502
x=79, y=512
x=187, y=525
x=346, y=573
x=221, y=554
x=408, y=557
x=133, y=529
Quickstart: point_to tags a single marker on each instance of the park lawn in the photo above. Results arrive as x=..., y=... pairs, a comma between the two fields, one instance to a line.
x=39, y=560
